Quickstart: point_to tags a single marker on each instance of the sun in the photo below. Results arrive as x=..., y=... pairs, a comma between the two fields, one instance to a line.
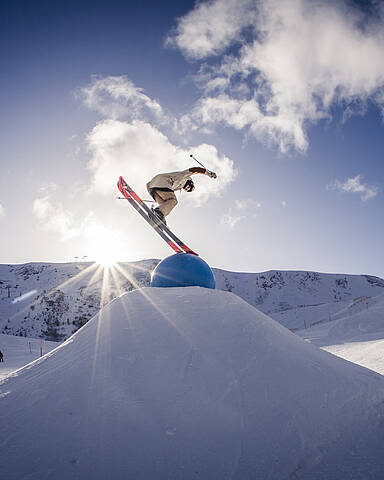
x=105, y=254
x=104, y=246
x=105, y=260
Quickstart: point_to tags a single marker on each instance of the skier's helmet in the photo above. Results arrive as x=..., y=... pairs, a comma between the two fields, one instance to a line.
x=189, y=185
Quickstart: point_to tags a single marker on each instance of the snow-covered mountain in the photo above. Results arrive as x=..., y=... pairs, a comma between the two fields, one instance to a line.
x=53, y=300
x=299, y=299
x=186, y=383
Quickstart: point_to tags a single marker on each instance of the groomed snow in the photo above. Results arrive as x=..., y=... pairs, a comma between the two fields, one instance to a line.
x=355, y=333
x=18, y=351
x=190, y=383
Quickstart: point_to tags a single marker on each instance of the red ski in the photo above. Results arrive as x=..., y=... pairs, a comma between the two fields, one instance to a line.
x=165, y=233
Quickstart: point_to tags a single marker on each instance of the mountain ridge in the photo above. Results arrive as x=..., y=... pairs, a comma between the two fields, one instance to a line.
x=53, y=300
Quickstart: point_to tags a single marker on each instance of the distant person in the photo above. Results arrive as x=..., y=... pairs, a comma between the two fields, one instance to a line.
x=162, y=188
x=1, y=356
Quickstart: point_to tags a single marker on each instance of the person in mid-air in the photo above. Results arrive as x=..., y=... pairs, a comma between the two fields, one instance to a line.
x=162, y=188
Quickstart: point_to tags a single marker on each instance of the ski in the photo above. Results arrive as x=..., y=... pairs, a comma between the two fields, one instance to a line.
x=165, y=233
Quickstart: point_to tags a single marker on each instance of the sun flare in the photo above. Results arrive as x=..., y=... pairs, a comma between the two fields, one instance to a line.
x=105, y=261
x=104, y=246
x=105, y=256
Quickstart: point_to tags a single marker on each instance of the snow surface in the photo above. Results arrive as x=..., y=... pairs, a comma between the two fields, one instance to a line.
x=18, y=351
x=355, y=333
x=190, y=383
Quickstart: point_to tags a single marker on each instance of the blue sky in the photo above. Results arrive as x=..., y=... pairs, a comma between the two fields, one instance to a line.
x=283, y=99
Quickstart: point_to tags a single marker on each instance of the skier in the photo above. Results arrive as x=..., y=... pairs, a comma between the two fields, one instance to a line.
x=1, y=356
x=162, y=188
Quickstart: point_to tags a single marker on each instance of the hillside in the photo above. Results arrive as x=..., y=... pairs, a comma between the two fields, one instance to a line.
x=54, y=300
x=297, y=299
x=355, y=333
x=190, y=383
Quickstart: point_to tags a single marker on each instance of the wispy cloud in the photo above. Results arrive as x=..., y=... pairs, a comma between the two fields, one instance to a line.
x=282, y=64
x=118, y=97
x=55, y=218
x=283, y=203
x=2, y=211
x=243, y=209
x=231, y=220
x=249, y=203
x=354, y=185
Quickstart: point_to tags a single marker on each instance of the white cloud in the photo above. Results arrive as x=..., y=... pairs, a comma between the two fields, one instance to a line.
x=298, y=59
x=55, y=218
x=128, y=143
x=211, y=27
x=354, y=185
x=2, y=211
x=138, y=151
x=118, y=97
x=283, y=203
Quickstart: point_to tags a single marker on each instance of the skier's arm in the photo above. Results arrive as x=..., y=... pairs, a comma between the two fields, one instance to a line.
x=204, y=171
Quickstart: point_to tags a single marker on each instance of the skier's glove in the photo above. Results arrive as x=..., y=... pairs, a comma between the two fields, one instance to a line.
x=211, y=174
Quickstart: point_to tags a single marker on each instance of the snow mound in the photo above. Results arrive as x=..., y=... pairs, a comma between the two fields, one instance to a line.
x=189, y=383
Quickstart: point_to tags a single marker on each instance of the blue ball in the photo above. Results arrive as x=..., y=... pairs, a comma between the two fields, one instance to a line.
x=183, y=270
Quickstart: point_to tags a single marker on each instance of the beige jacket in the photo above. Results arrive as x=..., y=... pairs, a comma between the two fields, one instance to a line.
x=173, y=180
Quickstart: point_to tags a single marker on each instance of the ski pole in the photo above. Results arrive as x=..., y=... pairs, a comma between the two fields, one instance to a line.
x=197, y=161
x=148, y=201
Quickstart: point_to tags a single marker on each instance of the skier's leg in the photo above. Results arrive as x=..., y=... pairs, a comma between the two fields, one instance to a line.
x=167, y=201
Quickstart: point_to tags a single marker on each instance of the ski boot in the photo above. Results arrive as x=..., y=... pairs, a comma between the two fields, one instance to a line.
x=160, y=215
